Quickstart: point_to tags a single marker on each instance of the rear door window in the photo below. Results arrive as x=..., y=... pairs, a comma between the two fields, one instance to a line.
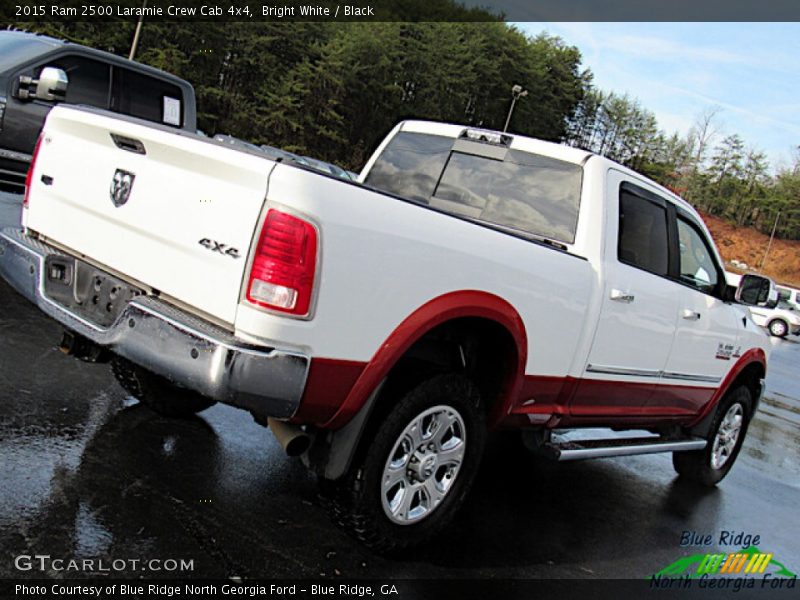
x=643, y=234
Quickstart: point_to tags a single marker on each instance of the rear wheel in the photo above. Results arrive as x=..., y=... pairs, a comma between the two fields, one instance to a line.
x=419, y=466
x=778, y=328
x=710, y=465
x=156, y=392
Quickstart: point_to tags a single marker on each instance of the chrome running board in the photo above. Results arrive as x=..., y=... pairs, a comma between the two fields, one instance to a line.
x=605, y=448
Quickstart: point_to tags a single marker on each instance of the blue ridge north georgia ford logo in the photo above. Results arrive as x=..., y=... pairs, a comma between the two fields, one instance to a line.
x=121, y=187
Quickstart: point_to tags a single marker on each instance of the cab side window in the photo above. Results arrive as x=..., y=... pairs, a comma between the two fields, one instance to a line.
x=643, y=240
x=89, y=80
x=697, y=268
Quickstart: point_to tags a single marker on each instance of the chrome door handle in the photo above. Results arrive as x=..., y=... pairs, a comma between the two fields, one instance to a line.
x=690, y=315
x=621, y=296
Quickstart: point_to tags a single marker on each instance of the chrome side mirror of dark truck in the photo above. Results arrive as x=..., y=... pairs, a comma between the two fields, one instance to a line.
x=52, y=84
x=50, y=87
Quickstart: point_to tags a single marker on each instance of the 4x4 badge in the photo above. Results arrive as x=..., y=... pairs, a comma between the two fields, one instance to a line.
x=215, y=246
x=121, y=187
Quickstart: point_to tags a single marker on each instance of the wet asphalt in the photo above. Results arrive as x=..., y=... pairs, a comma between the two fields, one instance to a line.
x=87, y=473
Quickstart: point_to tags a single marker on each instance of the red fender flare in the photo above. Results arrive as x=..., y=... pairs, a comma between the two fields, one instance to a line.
x=752, y=356
x=454, y=305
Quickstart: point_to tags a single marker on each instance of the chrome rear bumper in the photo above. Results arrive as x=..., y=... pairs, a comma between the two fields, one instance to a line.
x=188, y=351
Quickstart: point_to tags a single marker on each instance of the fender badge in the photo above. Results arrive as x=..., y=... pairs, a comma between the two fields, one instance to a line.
x=724, y=351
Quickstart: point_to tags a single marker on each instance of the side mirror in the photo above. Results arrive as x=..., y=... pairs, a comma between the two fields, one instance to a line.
x=51, y=86
x=755, y=290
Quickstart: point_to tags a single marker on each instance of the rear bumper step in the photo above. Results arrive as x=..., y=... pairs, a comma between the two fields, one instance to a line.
x=188, y=351
x=606, y=448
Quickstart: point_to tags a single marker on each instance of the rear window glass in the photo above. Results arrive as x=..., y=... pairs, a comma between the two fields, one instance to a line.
x=410, y=165
x=146, y=97
x=523, y=191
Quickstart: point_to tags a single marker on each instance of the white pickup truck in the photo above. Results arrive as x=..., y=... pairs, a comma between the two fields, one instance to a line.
x=469, y=281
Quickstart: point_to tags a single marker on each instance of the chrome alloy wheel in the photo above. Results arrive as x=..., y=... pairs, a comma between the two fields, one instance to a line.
x=423, y=465
x=727, y=436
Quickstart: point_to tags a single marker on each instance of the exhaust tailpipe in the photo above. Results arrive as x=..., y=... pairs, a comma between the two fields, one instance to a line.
x=292, y=439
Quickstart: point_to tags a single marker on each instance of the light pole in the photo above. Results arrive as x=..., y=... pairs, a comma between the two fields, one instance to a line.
x=769, y=245
x=516, y=93
x=137, y=33
x=771, y=237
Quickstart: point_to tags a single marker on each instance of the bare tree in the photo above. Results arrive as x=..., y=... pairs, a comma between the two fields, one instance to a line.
x=704, y=131
x=701, y=136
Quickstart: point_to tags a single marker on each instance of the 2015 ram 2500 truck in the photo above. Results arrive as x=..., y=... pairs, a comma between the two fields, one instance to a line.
x=470, y=281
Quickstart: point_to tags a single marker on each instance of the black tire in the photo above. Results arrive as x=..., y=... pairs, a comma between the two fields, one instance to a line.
x=355, y=501
x=156, y=392
x=697, y=465
x=778, y=328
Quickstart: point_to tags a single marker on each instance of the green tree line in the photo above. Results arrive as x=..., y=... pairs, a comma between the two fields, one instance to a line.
x=333, y=90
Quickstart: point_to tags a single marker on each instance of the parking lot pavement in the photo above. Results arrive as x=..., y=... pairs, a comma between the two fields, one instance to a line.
x=89, y=474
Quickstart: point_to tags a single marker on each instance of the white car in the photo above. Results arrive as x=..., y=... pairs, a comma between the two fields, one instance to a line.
x=789, y=295
x=780, y=321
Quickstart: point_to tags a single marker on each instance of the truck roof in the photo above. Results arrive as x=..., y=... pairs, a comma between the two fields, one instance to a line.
x=31, y=37
x=19, y=46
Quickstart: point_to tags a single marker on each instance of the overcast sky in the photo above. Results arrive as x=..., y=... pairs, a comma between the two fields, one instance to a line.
x=750, y=70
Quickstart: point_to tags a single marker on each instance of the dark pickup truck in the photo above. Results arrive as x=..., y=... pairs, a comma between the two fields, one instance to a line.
x=37, y=72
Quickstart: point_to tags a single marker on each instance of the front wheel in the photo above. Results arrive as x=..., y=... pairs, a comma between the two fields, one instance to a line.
x=710, y=465
x=418, y=467
x=779, y=328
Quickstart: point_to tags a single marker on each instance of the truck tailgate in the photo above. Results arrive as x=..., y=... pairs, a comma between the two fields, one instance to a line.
x=186, y=227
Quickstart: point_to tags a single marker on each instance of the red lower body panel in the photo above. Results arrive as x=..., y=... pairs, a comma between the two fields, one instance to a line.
x=551, y=401
x=573, y=401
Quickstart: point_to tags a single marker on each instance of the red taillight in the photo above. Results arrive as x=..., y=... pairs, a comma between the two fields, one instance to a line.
x=282, y=275
x=29, y=176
